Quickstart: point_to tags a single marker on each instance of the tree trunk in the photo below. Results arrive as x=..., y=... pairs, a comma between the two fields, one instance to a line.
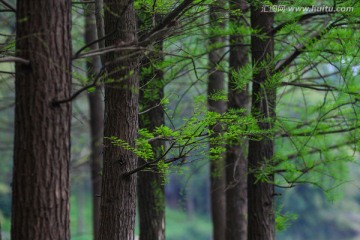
x=261, y=194
x=118, y=195
x=96, y=118
x=40, y=200
x=236, y=158
x=151, y=191
x=96, y=125
x=216, y=83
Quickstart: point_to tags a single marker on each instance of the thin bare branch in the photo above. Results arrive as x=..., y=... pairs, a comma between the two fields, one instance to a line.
x=14, y=59
x=8, y=5
x=56, y=103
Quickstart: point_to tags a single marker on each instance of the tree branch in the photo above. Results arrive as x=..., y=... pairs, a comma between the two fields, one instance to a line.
x=318, y=87
x=14, y=59
x=8, y=5
x=316, y=150
x=148, y=110
x=298, y=20
x=56, y=103
x=145, y=165
x=300, y=49
x=307, y=134
x=169, y=19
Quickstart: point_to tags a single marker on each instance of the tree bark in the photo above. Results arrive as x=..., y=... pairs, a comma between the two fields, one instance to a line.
x=236, y=153
x=96, y=118
x=40, y=188
x=216, y=83
x=151, y=191
x=260, y=193
x=118, y=195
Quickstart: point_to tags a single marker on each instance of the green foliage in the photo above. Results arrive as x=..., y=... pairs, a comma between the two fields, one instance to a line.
x=283, y=220
x=142, y=147
x=151, y=7
x=242, y=77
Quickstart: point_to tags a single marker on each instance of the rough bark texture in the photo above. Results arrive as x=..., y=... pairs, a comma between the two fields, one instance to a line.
x=236, y=153
x=118, y=195
x=40, y=200
x=96, y=122
x=151, y=193
x=216, y=83
x=261, y=194
x=96, y=118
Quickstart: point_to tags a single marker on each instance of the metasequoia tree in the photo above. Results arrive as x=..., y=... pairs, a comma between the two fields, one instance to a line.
x=118, y=195
x=96, y=116
x=236, y=152
x=261, y=215
x=40, y=188
x=216, y=84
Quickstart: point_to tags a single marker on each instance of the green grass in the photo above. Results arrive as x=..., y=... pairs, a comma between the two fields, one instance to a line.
x=86, y=232
x=179, y=226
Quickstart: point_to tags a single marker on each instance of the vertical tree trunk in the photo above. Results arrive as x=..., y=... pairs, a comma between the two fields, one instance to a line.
x=151, y=192
x=40, y=200
x=216, y=83
x=261, y=194
x=96, y=125
x=236, y=158
x=118, y=195
x=96, y=118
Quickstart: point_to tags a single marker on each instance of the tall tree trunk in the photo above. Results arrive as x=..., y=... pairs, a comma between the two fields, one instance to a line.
x=96, y=118
x=261, y=194
x=216, y=83
x=96, y=125
x=118, y=195
x=40, y=200
x=151, y=191
x=236, y=153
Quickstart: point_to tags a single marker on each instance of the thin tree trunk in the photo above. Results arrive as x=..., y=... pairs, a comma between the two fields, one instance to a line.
x=216, y=83
x=151, y=191
x=40, y=200
x=118, y=195
x=261, y=194
x=96, y=118
x=96, y=125
x=236, y=153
